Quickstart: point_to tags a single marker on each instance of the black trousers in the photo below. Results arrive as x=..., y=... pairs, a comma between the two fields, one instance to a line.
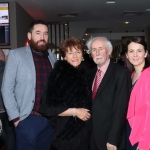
x=128, y=144
x=85, y=145
x=8, y=133
x=92, y=143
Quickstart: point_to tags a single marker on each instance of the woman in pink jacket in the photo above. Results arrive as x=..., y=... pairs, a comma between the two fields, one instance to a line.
x=138, y=114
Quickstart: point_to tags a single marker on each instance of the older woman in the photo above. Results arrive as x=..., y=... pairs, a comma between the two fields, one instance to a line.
x=67, y=99
x=138, y=115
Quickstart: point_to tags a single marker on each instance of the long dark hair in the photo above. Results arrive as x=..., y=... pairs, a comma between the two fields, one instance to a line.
x=141, y=41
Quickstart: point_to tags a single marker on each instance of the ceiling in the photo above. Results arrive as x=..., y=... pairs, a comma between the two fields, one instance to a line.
x=93, y=16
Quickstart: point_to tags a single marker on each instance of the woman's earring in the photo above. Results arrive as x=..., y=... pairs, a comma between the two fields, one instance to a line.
x=82, y=59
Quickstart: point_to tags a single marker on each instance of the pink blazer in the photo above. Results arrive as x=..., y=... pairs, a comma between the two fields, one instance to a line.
x=138, y=113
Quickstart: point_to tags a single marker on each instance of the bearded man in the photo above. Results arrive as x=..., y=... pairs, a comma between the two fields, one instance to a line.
x=23, y=82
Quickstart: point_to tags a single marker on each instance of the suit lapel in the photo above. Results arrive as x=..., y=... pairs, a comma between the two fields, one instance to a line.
x=51, y=57
x=29, y=61
x=105, y=79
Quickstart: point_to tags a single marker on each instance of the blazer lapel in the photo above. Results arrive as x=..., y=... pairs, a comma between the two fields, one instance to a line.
x=29, y=61
x=105, y=79
x=51, y=58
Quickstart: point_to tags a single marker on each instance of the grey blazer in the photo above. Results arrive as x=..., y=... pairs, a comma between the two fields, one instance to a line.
x=19, y=81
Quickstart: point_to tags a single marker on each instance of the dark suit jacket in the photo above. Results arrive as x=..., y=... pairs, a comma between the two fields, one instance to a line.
x=110, y=106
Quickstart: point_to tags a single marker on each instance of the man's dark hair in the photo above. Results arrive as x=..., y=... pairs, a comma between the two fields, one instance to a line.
x=37, y=22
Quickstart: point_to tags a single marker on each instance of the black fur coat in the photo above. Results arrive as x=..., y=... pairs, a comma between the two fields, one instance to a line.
x=67, y=87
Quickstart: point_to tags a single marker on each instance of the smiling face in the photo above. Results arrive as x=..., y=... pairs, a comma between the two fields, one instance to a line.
x=73, y=56
x=136, y=54
x=99, y=52
x=39, y=38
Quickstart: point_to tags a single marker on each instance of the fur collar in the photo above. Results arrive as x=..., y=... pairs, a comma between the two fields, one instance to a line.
x=63, y=66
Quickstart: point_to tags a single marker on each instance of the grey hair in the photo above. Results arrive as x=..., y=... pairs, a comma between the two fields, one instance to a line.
x=107, y=42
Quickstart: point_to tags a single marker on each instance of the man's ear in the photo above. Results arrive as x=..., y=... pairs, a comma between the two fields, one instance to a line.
x=110, y=52
x=29, y=35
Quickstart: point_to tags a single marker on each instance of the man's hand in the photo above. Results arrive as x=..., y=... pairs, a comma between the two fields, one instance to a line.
x=111, y=147
x=138, y=148
x=16, y=123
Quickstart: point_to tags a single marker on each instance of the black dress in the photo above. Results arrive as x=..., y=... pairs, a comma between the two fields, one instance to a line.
x=128, y=131
x=67, y=87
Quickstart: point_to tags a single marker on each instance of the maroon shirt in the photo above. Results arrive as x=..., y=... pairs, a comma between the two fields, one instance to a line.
x=43, y=68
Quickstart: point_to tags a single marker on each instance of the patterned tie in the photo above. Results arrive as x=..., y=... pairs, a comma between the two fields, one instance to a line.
x=96, y=83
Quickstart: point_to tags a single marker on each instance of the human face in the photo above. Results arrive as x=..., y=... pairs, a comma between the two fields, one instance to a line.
x=74, y=56
x=39, y=38
x=99, y=52
x=136, y=54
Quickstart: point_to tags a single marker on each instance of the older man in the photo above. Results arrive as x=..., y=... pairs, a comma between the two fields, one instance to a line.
x=25, y=75
x=110, y=92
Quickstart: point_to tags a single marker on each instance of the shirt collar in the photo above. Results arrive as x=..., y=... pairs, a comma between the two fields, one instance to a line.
x=40, y=53
x=104, y=67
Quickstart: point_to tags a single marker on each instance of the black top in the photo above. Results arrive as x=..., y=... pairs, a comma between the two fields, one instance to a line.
x=67, y=87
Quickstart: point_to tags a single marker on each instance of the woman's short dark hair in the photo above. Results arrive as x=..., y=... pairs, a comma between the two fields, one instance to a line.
x=141, y=41
x=69, y=44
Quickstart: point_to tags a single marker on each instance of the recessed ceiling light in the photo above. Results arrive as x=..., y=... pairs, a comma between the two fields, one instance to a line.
x=126, y=22
x=110, y=2
x=86, y=34
x=68, y=15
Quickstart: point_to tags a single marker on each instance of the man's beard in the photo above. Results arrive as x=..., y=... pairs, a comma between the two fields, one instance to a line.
x=39, y=48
